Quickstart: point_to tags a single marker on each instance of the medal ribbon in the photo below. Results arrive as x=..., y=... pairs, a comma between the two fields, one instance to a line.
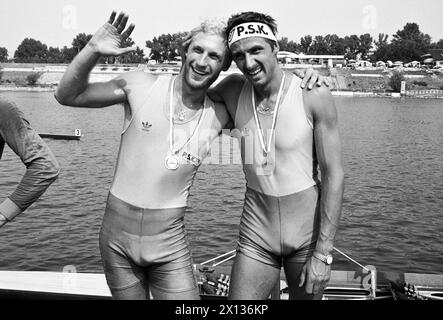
x=267, y=149
x=171, y=121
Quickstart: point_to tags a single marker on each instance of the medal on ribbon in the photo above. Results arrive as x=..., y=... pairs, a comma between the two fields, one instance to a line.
x=267, y=164
x=172, y=160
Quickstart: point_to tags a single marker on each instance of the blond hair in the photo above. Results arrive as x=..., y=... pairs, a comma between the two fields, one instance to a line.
x=216, y=27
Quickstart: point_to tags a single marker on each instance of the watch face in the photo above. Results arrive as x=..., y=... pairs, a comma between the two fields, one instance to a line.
x=329, y=260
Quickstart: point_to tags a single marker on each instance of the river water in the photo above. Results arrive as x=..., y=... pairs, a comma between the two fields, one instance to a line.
x=392, y=209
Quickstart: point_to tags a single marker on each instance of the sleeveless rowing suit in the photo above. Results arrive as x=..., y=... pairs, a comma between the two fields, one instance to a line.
x=143, y=228
x=280, y=216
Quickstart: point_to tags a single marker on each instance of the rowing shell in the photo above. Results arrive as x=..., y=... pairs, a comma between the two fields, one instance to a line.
x=344, y=285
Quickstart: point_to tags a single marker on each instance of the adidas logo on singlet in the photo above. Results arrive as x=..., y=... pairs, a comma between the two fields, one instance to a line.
x=146, y=126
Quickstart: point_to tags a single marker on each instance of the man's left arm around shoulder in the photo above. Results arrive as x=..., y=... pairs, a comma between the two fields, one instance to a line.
x=311, y=78
x=328, y=150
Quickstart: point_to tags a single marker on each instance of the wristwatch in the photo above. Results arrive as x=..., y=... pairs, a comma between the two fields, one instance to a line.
x=326, y=259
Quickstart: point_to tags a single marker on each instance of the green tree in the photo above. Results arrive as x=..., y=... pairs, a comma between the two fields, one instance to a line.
x=3, y=54
x=410, y=43
x=165, y=47
x=156, y=49
x=437, y=45
x=80, y=41
x=54, y=55
x=319, y=46
x=305, y=44
x=382, y=41
x=352, y=43
x=31, y=51
x=383, y=50
x=364, y=45
x=67, y=54
x=336, y=45
x=33, y=78
x=288, y=45
x=176, y=45
x=395, y=81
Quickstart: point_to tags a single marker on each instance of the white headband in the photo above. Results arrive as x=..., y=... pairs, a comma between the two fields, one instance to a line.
x=250, y=29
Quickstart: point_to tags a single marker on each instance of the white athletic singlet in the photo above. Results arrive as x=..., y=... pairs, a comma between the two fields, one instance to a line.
x=295, y=164
x=141, y=178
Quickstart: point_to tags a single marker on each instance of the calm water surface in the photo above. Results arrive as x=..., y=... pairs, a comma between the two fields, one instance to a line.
x=392, y=209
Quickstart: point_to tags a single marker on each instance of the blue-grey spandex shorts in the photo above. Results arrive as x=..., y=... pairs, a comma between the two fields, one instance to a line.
x=276, y=228
x=145, y=246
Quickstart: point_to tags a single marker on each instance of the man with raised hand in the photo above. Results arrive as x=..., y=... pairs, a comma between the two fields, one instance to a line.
x=289, y=217
x=169, y=125
x=42, y=169
x=168, y=128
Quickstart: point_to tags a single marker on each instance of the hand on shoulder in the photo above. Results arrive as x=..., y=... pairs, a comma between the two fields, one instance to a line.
x=318, y=94
x=312, y=78
x=320, y=102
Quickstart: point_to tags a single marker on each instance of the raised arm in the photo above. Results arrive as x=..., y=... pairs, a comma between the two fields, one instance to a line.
x=75, y=89
x=328, y=149
x=42, y=168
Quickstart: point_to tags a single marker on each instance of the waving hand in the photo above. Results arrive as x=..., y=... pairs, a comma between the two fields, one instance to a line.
x=108, y=40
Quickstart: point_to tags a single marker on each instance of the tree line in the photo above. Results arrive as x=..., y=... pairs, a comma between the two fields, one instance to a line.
x=407, y=44
x=34, y=51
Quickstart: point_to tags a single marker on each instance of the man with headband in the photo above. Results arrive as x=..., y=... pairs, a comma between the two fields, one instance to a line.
x=168, y=128
x=289, y=218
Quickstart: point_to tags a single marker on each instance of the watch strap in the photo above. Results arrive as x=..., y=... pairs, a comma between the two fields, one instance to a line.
x=324, y=258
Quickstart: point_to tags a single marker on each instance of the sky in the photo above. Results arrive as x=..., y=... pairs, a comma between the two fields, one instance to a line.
x=57, y=22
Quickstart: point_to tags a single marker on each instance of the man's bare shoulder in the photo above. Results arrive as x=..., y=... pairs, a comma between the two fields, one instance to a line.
x=136, y=78
x=319, y=98
x=317, y=92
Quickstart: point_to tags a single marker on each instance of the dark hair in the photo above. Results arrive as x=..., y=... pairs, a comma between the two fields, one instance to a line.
x=251, y=16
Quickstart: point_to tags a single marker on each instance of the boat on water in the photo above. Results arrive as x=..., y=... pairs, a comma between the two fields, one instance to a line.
x=346, y=285
x=214, y=278
x=76, y=136
x=364, y=284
